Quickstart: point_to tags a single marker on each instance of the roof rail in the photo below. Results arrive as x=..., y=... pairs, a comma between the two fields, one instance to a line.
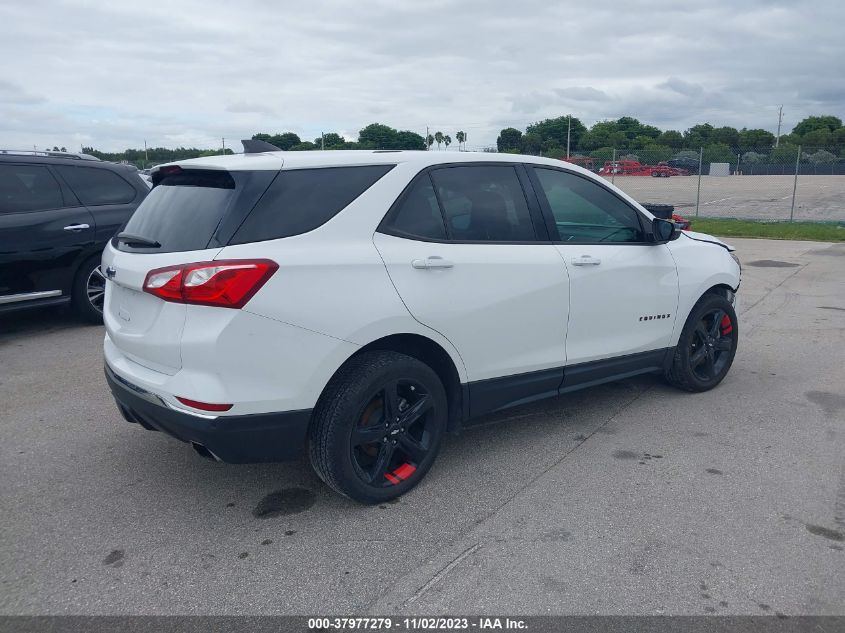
x=48, y=153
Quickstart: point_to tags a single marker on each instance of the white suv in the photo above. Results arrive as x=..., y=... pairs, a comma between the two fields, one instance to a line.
x=358, y=305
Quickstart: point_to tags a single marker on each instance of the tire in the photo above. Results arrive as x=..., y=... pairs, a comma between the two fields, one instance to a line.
x=369, y=452
x=655, y=174
x=86, y=285
x=707, y=345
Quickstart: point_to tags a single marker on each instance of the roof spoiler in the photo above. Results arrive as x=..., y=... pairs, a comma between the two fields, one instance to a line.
x=256, y=146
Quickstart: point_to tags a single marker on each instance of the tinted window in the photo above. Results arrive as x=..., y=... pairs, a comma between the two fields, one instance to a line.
x=419, y=214
x=97, y=186
x=28, y=188
x=300, y=200
x=483, y=203
x=183, y=211
x=587, y=212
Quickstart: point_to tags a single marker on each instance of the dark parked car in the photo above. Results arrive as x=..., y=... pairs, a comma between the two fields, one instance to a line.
x=57, y=211
x=689, y=164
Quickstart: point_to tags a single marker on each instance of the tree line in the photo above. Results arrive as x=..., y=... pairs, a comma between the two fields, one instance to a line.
x=143, y=158
x=373, y=136
x=822, y=136
x=625, y=137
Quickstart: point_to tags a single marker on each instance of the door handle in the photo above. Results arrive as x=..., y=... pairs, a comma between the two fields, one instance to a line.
x=76, y=227
x=431, y=262
x=585, y=260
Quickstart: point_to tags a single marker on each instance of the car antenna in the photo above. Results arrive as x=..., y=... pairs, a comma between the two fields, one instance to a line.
x=257, y=146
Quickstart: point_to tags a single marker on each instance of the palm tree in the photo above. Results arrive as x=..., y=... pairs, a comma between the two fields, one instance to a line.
x=461, y=138
x=447, y=140
x=429, y=141
x=438, y=138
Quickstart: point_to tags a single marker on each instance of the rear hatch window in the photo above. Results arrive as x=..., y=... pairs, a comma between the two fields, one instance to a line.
x=192, y=209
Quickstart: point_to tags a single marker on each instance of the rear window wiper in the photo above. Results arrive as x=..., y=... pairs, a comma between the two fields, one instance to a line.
x=137, y=241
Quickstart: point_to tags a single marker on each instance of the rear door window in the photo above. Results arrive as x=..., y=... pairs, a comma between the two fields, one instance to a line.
x=484, y=203
x=300, y=200
x=96, y=187
x=28, y=188
x=188, y=209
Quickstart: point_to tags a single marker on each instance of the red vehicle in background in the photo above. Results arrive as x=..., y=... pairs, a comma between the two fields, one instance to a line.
x=635, y=168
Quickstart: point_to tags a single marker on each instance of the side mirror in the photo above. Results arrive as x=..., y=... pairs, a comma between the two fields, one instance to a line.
x=664, y=230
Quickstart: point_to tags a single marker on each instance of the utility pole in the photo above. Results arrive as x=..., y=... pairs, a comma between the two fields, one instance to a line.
x=698, y=190
x=224, y=144
x=146, y=155
x=427, y=146
x=568, y=132
x=795, y=184
x=322, y=140
x=613, y=167
x=780, y=119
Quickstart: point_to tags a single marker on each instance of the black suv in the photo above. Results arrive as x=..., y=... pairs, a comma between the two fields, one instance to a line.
x=57, y=211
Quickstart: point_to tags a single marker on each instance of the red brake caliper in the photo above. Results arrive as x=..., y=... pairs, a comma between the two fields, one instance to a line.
x=726, y=325
x=400, y=474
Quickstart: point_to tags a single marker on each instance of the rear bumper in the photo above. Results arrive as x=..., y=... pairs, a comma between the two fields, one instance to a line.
x=239, y=439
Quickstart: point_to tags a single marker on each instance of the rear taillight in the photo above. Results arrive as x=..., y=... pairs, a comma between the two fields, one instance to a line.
x=225, y=284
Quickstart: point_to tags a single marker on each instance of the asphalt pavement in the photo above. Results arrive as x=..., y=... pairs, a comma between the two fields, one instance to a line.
x=629, y=498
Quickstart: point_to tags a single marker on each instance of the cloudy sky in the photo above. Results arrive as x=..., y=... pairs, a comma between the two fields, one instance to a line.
x=111, y=73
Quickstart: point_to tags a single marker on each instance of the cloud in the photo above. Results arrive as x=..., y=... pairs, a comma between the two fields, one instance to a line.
x=135, y=71
x=682, y=87
x=245, y=107
x=12, y=94
x=583, y=93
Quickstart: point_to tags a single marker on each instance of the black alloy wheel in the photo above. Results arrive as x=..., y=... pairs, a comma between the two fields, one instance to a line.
x=378, y=426
x=394, y=433
x=707, y=345
x=711, y=345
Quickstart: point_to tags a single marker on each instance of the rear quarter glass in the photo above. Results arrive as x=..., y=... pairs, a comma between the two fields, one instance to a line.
x=300, y=200
x=195, y=209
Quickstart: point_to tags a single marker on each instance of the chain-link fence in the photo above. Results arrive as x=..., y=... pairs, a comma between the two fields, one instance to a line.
x=784, y=183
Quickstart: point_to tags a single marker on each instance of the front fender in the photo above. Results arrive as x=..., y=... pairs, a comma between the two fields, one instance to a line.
x=701, y=266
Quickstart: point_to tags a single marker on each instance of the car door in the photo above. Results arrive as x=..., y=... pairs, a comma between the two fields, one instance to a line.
x=109, y=197
x=43, y=234
x=623, y=288
x=462, y=248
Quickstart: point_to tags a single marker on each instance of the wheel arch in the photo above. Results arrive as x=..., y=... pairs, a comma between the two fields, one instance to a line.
x=720, y=285
x=81, y=261
x=431, y=353
x=723, y=290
